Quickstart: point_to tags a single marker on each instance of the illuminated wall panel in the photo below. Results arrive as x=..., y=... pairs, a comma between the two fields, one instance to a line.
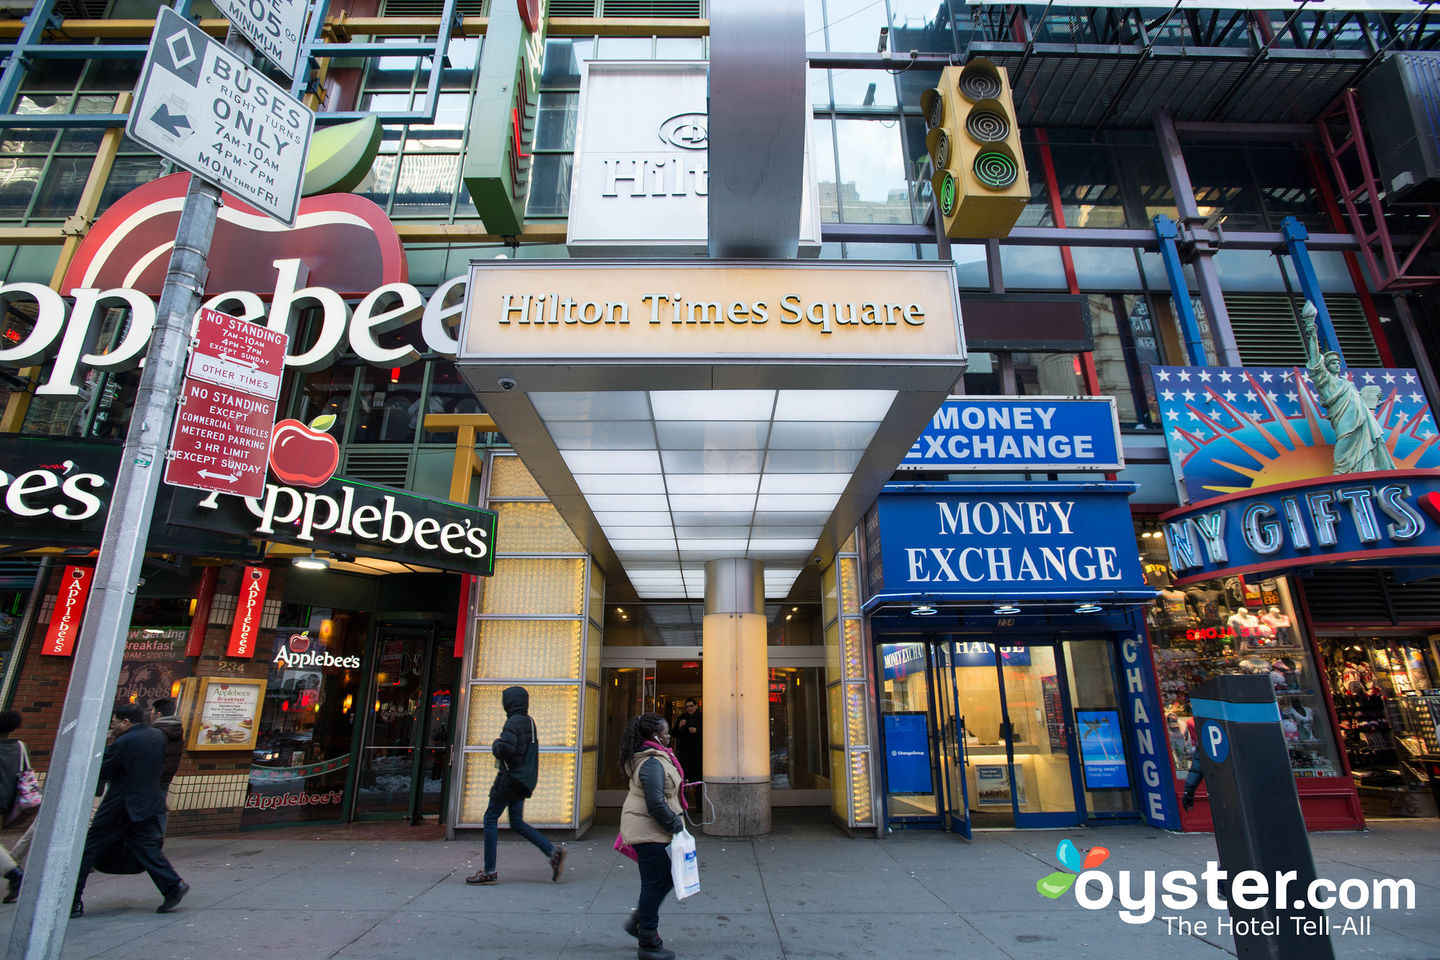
x=847, y=675
x=536, y=624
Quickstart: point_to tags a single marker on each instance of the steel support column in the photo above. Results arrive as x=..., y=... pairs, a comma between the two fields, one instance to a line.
x=1295, y=236
x=1206, y=277
x=1166, y=233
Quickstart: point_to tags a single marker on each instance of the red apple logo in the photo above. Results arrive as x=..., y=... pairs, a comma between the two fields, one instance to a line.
x=304, y=456
x=300, y=642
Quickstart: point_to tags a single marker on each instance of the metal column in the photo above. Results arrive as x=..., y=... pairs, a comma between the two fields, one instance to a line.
x=1206, y=276
x=1295, y=236
x=1167, y=234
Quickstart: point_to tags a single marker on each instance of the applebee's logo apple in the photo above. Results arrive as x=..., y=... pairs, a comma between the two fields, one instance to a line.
x=304, y=456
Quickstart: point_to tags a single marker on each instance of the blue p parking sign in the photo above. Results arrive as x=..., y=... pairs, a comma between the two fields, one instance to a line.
x=1214, y=741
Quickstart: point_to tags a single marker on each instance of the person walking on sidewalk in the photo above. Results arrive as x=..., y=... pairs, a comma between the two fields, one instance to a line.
x=162, y=717
x=517, y=763
x=649, y=818
x=132, y=814
x=13, y=758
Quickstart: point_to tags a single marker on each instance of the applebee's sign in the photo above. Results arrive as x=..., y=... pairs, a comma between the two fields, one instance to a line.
x=349, y=517
x=57, y=493
x=342, y=247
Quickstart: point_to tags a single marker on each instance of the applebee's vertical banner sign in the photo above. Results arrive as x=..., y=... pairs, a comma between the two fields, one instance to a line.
x=253, y=584
x=69, y=607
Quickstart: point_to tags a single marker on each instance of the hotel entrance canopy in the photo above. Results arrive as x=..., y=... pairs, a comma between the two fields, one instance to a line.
x=680, y=412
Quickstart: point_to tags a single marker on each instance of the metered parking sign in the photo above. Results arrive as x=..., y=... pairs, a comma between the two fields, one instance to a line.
x=203, y=107
x=1213, y=741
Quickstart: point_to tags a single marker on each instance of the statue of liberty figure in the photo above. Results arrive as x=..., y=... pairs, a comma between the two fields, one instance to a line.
x=1359, y=441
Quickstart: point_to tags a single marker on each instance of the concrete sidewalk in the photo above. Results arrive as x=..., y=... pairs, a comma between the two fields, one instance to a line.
x=804, y=891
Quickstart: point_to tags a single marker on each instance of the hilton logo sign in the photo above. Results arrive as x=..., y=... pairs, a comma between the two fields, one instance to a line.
x=642, y=168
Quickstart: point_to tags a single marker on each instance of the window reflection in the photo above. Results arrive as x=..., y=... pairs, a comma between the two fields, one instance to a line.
x=870, y=186
x=324, y=392
x=388, y=404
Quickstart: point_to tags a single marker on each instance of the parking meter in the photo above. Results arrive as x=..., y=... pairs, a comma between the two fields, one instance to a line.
x=1258, y=824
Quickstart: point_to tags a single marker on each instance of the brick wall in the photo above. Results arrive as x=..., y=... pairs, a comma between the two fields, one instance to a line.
x=209, y=789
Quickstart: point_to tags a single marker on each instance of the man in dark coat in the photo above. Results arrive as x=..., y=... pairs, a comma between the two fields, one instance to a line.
x=162, y=718
x=131, y=815
x=689, y=740
x=517, y=764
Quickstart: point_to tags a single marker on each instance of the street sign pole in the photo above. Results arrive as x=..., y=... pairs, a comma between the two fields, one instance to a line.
x=43, y=912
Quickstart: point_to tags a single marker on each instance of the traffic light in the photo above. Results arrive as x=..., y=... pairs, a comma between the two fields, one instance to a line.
x=980, y=181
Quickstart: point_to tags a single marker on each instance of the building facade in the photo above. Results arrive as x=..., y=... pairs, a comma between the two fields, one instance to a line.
x=1194, y=177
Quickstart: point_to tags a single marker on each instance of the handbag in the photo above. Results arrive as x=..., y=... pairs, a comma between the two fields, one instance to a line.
x=27, y=789
x=624, y=848
x=684, y=867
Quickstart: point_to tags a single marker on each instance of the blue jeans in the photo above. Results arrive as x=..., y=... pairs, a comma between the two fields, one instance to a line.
x=517, y=823
x=655, y=882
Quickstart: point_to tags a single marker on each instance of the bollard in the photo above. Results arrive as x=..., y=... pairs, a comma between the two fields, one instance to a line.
x=1258, y=824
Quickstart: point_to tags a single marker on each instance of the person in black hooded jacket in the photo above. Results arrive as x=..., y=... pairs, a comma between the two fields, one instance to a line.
x=162, y=717
x=517, y=764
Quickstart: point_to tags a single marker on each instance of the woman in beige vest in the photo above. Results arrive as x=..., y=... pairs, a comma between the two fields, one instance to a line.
x=650, y=817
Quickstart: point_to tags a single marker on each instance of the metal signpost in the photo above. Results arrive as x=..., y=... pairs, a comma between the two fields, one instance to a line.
x=215, y=115
x=186, y=78
x=222, y=431
x=274, y=27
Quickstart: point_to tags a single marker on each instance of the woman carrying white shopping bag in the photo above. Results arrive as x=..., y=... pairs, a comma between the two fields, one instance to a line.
x=650, y=821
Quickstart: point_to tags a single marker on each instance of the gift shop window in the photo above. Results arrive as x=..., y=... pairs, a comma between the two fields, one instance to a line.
x=1238, y=626
x=302, y=753
x=1387, y=700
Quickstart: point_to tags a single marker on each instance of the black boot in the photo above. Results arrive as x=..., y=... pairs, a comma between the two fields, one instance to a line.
x=13, y=893
x=631, y=925
x=651, y=946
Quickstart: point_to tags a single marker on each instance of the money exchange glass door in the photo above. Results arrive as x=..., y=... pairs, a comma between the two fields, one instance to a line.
x=405, y=750
x=1039, y=737
x=952, y=743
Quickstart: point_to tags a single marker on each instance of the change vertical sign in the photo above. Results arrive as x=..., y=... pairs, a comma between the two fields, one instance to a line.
x=217, y=116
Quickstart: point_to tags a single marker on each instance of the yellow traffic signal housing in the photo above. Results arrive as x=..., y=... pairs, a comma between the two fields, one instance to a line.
x=980, y=181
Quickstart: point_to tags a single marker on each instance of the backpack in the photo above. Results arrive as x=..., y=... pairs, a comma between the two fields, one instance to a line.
x=526, y=771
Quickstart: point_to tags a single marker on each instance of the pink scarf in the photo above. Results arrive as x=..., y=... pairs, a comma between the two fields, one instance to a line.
x=684, y=804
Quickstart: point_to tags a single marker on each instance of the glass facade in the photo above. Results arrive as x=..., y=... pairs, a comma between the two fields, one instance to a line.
x=1239, y=625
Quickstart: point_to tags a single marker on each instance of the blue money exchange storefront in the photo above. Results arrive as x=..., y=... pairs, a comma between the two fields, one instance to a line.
x=1016, y=687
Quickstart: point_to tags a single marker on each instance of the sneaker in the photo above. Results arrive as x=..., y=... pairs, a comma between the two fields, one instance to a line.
x=173, y=898
x=77, y=909
x=557, y=863
x=484, y=876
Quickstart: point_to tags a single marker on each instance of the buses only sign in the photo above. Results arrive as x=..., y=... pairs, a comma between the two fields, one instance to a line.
x=220, y=118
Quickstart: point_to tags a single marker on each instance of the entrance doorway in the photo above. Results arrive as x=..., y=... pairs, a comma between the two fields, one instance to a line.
x=404, y=751
x=645, y=686
x=979, y=735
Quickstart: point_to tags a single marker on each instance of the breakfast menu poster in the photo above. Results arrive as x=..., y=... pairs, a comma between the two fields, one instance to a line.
x=228, y=712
